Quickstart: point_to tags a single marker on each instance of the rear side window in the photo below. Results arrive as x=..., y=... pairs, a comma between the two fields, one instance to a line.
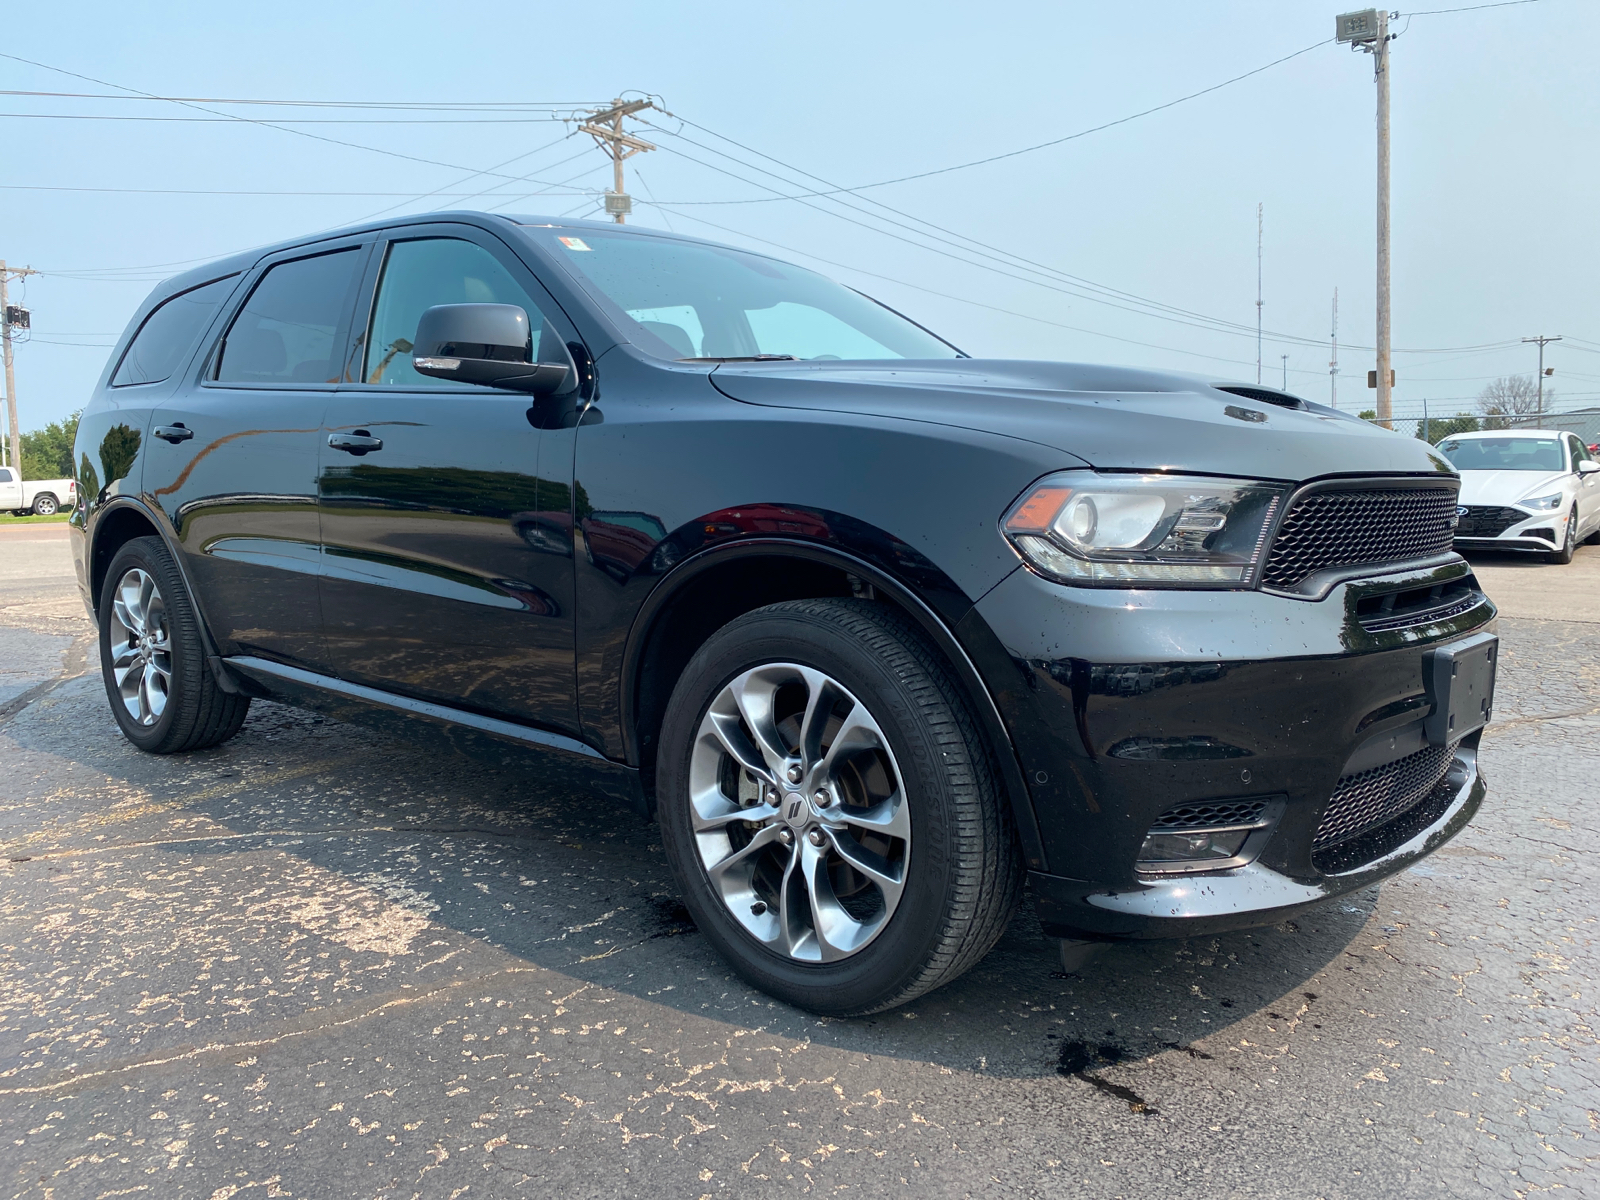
x=169, y=333
x=286, y=331
x=5, y=475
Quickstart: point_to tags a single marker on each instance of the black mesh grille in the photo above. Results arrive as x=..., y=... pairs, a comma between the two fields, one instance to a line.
x=1357, y=528
x=1482, y=520
x=1371, y=797
x=1210, y=815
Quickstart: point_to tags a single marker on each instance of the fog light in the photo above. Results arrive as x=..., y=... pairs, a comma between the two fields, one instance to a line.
x=1191, y=847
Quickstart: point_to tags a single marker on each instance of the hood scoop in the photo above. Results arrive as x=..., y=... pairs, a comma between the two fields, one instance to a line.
x=1263, y=395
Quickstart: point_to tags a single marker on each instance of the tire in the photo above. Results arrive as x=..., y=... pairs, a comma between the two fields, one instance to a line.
x=924, y=907
x=151, y=649
x=1569, y=545
x=45, y=505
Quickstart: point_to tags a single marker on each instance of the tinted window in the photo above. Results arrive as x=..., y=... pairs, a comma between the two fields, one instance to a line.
x=1504, y=454
x=168, y=334
x=285, y=332
x=691, y=300
x=416, y=276
x=5, y=475
x=1579, y=452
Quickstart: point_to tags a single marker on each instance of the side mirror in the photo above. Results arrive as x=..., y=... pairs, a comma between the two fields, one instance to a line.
x=1588, y=467
x=486, y=344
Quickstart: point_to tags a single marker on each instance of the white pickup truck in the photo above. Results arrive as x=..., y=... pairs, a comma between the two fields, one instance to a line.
x=40, y=497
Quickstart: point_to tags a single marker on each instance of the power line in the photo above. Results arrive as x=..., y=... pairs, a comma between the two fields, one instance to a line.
x=979, y=162
x=29, y=187
x=1109, y=296
x=399, y=105
x=1437, y=12
x=281, y=122
x=245, y=120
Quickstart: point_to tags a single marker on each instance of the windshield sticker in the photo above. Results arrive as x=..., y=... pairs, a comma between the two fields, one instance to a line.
x=574, y=243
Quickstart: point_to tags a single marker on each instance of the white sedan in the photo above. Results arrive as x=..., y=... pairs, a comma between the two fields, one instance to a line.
x=1525, y=489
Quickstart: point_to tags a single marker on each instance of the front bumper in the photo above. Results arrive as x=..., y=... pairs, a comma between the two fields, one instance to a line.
x=1523, y=529
x=1124, y=704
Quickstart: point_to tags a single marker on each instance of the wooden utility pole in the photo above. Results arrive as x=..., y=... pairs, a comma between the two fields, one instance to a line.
x=605, y=126
x=1543, y=342
x=7, y=274
x=1258, y=292
x=1380, y=62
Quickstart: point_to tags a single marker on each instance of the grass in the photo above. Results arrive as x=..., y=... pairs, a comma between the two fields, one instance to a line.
x=54, y=518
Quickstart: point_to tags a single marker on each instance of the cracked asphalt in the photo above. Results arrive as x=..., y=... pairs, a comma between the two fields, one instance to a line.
x=318, y=963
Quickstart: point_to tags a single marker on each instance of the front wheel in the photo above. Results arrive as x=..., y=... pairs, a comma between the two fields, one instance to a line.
x=152, y=658
x=829, y=808
x=45, y=505
x=1569, y=544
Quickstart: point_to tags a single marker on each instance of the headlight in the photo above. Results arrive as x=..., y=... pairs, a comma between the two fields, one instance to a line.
x=1543, y=503
x=1143, y=530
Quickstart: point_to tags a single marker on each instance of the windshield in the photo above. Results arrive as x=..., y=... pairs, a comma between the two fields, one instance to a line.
x=1505, y=454
x=686, y=300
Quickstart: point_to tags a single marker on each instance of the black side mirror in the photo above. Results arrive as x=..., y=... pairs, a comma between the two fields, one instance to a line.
x=486, y=344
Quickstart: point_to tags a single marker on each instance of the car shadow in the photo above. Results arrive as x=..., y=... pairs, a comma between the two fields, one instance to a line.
x=562, y=880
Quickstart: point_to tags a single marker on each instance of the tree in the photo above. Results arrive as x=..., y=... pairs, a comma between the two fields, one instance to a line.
x=1511, y=397
x=1440, y=428
x=1368, y=414
x=47, y=452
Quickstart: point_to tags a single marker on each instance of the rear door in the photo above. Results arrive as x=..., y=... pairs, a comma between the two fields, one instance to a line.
x=232, y=458
x=448, y=549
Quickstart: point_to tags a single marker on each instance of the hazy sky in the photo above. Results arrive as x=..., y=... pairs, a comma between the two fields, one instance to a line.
x=1496, y=117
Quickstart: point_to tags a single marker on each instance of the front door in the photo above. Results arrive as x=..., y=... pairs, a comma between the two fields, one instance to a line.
x=446, y=512
x=232, y=458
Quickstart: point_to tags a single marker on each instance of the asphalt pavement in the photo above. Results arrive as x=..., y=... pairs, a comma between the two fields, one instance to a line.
x=316, y=962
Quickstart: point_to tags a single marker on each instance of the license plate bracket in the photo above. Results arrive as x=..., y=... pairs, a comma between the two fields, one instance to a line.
x=1459, y=679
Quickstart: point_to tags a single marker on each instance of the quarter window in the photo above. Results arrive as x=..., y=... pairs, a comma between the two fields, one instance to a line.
x=169, y=333
x=286, y=331
x=420, y=274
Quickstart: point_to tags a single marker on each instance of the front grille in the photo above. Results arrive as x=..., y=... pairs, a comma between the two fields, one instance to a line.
x=1358, y=527
x=1482, y=520
x=1213, y=815
x=1369, y=798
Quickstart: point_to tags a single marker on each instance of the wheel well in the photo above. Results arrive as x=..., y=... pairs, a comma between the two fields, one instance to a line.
x=116, y=529
x=701, y=607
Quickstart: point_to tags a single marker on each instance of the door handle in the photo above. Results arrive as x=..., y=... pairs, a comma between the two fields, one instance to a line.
x=174, y=433
x=358, y=443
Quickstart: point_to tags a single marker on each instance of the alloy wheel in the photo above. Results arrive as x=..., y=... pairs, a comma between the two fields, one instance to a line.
x=799, y=812
x=141, y=647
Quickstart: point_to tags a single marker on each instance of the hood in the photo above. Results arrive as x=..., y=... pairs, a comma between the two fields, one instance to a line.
x=1112, y=418
x=1507, y=487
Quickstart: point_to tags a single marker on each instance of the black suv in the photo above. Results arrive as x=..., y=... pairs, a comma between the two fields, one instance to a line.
x=878, y=631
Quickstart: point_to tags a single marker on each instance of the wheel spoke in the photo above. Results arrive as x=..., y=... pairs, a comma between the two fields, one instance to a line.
x=889, y=817
x=125, y=616
x=752, y=694
x=123, y=656
x=835, y=932
x=729, y=732
x=858, y=732
x=820, y=696
x=152, y=697
x=765, y=837
x=869, y=864
x=712, y=822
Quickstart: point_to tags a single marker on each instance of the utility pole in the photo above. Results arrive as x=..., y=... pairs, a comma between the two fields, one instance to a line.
x=605, y=126
x=1542, y=341
x=1285, y=358
x=1258, y=292
x=10, y=316
x=1425, y=429
x=1333, y=363
x=1368, y=31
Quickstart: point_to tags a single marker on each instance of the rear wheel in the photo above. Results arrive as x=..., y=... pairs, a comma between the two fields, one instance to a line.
x=829, y=808
x=1569, y=543
x=152, y=658
x=45, y=505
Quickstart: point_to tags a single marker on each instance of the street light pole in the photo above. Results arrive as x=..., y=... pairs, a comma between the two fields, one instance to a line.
x=1368, y=30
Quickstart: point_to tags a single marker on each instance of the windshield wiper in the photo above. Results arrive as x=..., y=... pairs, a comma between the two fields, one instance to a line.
x=745, y=358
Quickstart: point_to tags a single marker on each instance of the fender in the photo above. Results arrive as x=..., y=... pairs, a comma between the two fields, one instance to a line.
x=939, y=628
x=220, y=672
